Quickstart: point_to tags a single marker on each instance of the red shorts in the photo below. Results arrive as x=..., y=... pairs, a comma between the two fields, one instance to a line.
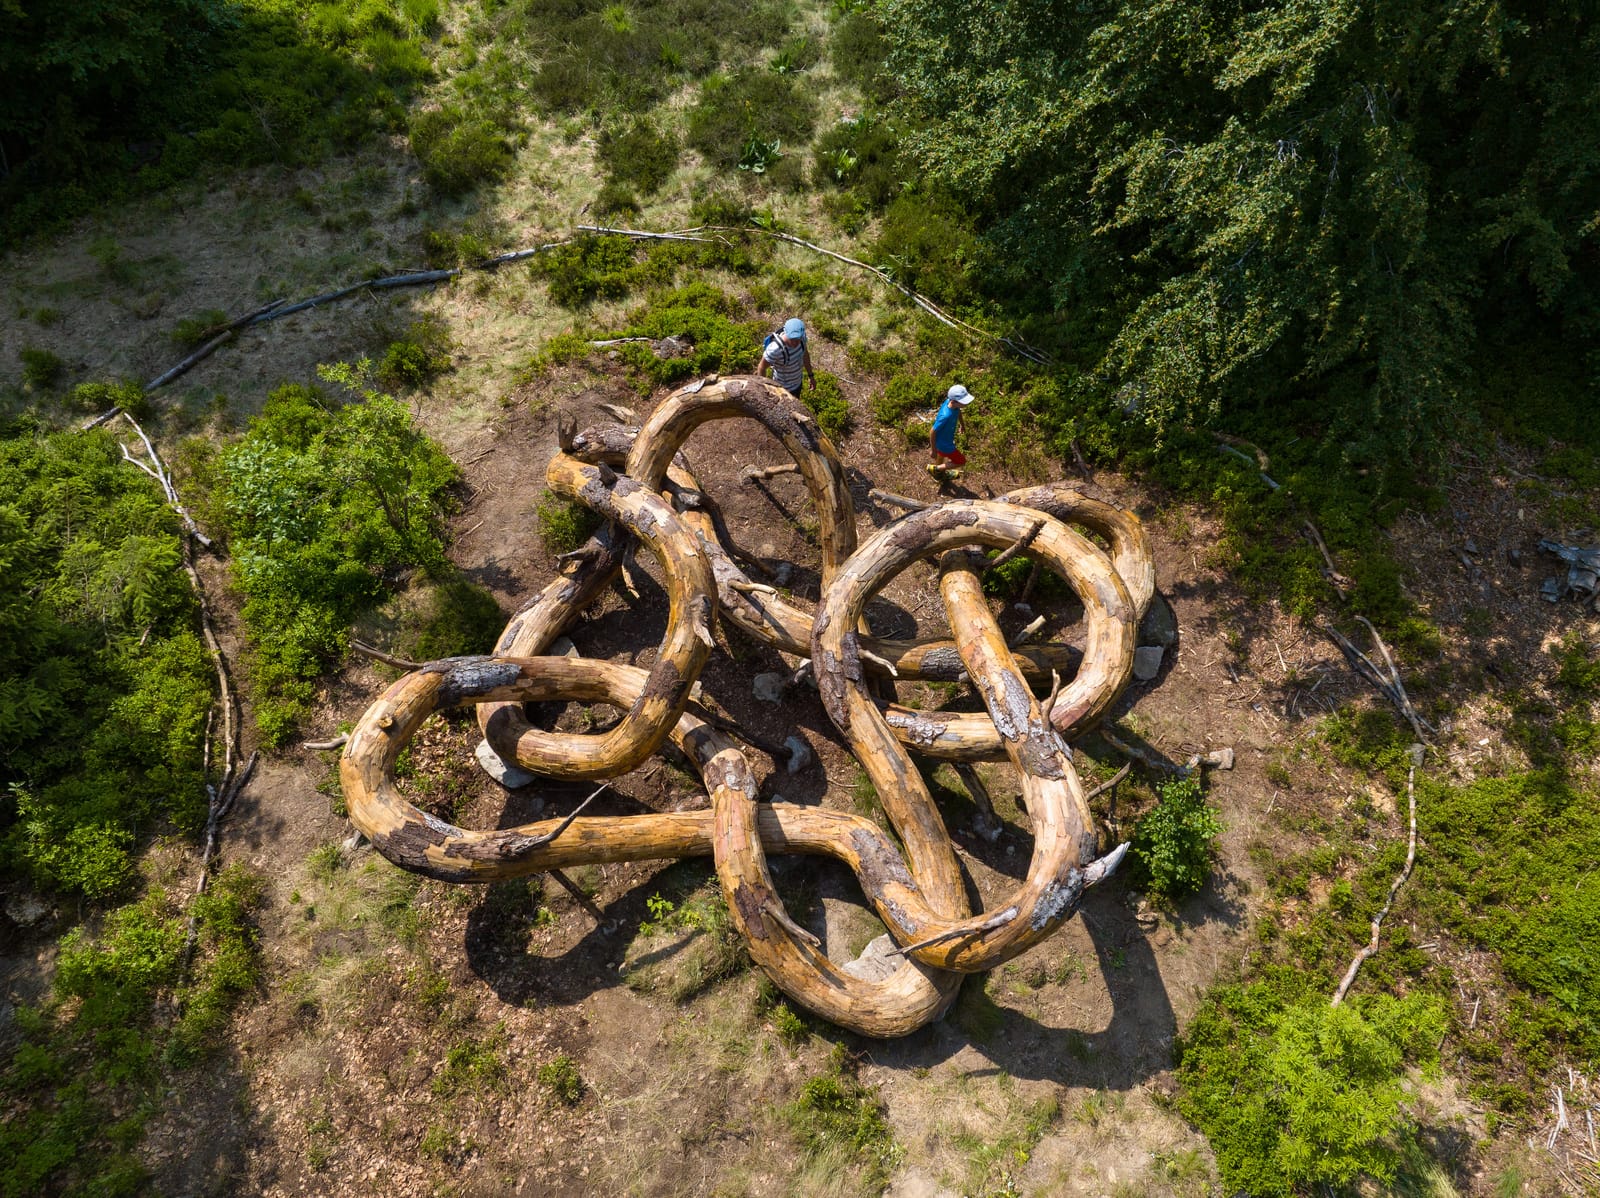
x=955, y=457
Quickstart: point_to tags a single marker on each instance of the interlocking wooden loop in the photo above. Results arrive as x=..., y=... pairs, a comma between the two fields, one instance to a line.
x=919, y=893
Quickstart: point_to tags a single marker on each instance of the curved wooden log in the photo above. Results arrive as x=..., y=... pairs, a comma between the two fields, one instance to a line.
x=985, y=940
x=919, y=894
x=688, y=641
x=736, y=832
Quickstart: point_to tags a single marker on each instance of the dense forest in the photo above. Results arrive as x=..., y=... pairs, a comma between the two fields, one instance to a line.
x=1362, y=242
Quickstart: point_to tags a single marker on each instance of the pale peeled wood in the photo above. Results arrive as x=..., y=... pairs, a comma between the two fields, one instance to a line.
x=923, y=901
x=691, y=593
x=967, y=943
x=909, y=997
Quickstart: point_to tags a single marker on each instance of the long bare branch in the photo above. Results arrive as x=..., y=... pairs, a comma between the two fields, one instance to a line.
x=1394, y=889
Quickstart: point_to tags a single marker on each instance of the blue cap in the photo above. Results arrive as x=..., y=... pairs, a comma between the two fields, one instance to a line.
x=794, y=328
x=959, y=395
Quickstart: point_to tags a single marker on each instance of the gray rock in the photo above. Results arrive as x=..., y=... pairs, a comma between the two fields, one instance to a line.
x=781, y=574
x=876, y=962
x=800, y=754
x=769, y=688
x=1160, y=623
x=1147, y=662
x=508, y=775
x=26, y=909
x=563, y=647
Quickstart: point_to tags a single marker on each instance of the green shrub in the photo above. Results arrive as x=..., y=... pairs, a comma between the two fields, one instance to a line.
x=637, y=156
x=592, y=268
x=827, y=401
x=925, y=242
x=460, y=617
x=748, y=117
x=104, y=686
x=1294, y=1094
x=697, y=313
x=861, y=153
x=41, y=369
x=616, y=199
x=325, y=506
x=857, y=49
x=836, y=1115
x=1173, y=842
x=562, y=1079
x=473, y=1065
x=421, y=352
x=563, y=524
x=905, y=394
x=457, y=151
x=194, y=331
x=796, y=55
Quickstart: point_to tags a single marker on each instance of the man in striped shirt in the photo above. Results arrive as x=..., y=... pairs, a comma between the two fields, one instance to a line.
x=786, y=357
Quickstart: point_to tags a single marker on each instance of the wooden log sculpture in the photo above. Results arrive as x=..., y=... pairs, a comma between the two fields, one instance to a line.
x=637, y=480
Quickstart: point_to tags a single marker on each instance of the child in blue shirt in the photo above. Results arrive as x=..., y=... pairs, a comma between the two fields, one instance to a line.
x=944, y=458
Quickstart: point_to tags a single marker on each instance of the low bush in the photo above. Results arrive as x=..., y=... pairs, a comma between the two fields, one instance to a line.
x=861, y=153
x=104, y=685
x=697, y=314
x=1173, y=842
x=827, y=401
x=457, y=151
x=1294, y=1093
x=326, y=506
x=750, y=115
x=421, y=352
x=458, y=617
x=637, y=156
x=563, y=524
x=88, y=1063
x=836, y=1116
x=925, y=242
x=41, y=369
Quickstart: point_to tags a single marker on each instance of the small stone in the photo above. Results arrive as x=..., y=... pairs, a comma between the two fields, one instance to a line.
x=1471, y=546
x=563, y=647
x=1160, y=623
x=508, y=775
x=1024, y=609
x=769, y=688
x=26, y=909
x=800, y=754
x=876, y=962
x=781, y=574
x=1514, y=556
x=1221, y=759
x=1147, y=662
x=768, y=549
x=352, y=842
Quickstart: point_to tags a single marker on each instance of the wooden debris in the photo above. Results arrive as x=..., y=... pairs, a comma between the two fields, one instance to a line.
x=1411, y=856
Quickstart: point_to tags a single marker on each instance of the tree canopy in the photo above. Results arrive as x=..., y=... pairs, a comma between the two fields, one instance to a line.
x=1231, y=204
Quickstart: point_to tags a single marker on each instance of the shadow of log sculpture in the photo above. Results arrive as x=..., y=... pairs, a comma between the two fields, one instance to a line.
x=637, y=479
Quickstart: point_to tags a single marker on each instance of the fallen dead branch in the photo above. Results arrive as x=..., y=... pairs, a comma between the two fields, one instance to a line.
x=337, y=742
x=388, y=659
x=1336, y=580
x=157, y=470
x=1387, y=680
x=904, y=502
x=1411, y=856
x=1019, y=348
